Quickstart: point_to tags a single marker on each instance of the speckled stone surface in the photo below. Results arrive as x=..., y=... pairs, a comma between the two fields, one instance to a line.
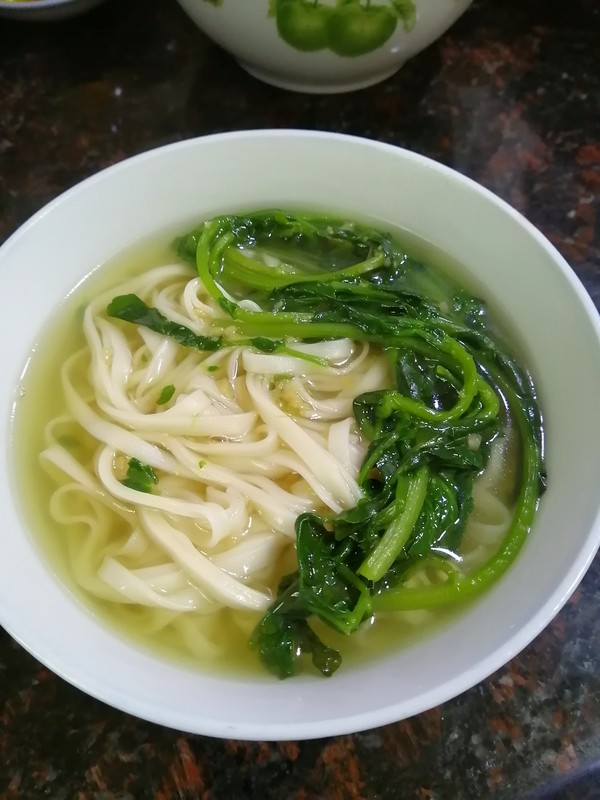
x=511, y=97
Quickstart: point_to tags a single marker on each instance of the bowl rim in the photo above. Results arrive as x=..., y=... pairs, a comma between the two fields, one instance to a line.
x=25, y=5
x=449, y=689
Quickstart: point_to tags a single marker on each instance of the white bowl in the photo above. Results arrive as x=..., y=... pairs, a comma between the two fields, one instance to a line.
x=45, y=10
x=326, y=46
x=529, y=286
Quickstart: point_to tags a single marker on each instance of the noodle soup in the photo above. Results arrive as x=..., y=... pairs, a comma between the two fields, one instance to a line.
x=184, y=434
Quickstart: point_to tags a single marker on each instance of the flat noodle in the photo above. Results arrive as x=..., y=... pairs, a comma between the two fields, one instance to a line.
x=491, y=514
x=239, y=451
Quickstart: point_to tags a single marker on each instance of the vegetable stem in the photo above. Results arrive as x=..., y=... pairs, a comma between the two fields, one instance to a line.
x=381, y=558
x=464, y=587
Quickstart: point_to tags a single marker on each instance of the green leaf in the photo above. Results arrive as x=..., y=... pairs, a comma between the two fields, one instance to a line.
x=283, y=636
x=266, y=345
x=140, y=477
x=328, y=584
x=131, y=308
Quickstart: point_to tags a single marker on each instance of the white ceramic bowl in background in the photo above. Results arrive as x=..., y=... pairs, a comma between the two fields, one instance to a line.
x=45, y=10
x=529, y=286
x=327, y=46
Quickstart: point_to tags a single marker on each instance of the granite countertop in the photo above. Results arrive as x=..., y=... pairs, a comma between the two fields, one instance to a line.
x=511, y=97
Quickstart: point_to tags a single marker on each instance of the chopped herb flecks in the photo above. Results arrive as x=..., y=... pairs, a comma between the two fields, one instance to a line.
x=166, y=394
x=140, y=477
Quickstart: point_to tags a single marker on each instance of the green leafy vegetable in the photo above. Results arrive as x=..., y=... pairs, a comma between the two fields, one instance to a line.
x=283, y=635
x=140, y=477
x=131, y=308
x=456, y=390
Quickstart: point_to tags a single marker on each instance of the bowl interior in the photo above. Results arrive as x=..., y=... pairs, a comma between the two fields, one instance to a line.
x=527, y=284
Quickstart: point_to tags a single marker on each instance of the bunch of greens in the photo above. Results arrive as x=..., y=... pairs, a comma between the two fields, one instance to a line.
x=455, y=390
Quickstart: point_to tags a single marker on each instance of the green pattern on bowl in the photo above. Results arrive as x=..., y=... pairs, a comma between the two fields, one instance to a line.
x=349, y=28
